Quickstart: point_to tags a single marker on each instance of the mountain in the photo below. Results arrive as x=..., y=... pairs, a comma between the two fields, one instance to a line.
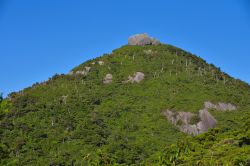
x=146, y=103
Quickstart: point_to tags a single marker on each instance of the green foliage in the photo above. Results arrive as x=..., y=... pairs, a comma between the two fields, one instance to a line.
x=78, y=120
x=5, y=106
x=195, y=119
x=225, y=148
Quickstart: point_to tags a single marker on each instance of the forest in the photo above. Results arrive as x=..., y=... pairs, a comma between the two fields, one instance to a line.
x=78, y=119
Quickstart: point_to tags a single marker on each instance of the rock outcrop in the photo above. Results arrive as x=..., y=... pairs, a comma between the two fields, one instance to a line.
x=176, y=117
x=183, y=120
x=206, y=122
x=142, y=40
x=81, y=72
x=108, y=79
x=220, y=106
x=100, y=63
x=136, y=78
x=87, y=69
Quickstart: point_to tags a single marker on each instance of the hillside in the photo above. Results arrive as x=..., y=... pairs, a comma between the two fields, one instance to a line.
x=112, y=110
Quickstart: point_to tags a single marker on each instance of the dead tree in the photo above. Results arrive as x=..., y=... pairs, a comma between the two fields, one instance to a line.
x=186, y=65
x=172, y=61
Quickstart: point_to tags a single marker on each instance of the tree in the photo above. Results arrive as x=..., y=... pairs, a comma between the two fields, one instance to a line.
x=1, y=97
x=5, y=105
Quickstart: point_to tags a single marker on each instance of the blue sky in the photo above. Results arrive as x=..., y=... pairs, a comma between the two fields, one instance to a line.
x=39, y=38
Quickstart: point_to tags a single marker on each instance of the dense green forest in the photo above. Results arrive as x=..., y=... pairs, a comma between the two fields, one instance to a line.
x=77, y=119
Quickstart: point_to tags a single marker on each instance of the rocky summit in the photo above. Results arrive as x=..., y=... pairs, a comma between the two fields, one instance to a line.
x=145, y=103
x=142, y=40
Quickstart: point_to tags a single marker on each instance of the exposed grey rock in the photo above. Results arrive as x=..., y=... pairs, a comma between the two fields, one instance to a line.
x=108, y=79
x=189, y=129
x=174, y=117
x=83, y=72
x=220, y=106
x=209, y=105
x=100, y=63
x=142, y=40
x=226, y=106
x=207, y=121
x=186, y=117
x=137, y=77
x=87, y=69
x=182, y=120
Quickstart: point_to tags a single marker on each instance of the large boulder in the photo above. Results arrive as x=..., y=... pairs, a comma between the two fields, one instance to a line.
x=136, y=78
x=108, y=79
x=83, y=72
x=142, y=40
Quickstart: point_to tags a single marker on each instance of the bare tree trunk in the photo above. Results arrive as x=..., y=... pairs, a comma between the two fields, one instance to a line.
x=155, y=74
x=172, y=62
x=186, y=65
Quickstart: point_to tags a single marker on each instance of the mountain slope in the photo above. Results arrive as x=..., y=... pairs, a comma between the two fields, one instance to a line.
x=78, y=119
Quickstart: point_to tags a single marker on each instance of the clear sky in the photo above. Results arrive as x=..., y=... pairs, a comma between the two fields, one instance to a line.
x=39, y=38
